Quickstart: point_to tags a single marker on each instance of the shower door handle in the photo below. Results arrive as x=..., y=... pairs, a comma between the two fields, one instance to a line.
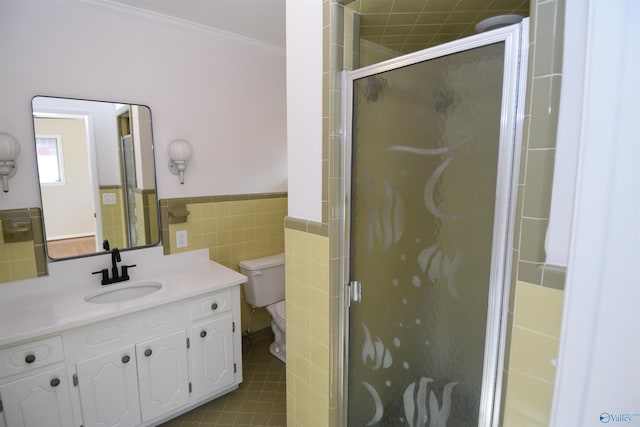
x=355, y=291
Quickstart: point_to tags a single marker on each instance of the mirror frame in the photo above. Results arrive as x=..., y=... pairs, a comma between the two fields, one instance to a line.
x=94, y=160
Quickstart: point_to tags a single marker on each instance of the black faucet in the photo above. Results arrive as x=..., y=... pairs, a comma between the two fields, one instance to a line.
x=115, y=275
x=115, y=259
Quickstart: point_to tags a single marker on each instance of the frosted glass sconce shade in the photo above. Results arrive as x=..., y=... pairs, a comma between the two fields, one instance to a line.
x=179, y=152
x=9, y=150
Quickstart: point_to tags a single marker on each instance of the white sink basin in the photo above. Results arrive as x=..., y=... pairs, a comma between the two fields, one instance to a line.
x=124, y=292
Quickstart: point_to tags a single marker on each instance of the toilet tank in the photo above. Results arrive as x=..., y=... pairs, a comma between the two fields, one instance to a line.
x=266, y=280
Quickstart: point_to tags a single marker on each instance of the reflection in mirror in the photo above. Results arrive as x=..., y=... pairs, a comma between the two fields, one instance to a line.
x=97, y=175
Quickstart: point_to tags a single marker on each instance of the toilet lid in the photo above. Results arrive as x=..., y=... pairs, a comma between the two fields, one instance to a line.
x=280, y=309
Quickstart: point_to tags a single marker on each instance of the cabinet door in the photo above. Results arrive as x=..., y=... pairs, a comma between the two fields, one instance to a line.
x=109, y=389
x=162, y=374
x=211, y=355
x=40, y=400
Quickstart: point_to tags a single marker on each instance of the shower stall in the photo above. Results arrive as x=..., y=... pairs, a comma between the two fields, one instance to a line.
x=430, y=161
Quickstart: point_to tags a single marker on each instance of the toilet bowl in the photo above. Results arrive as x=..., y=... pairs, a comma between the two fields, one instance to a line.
x=278, y=321
x=265, y=288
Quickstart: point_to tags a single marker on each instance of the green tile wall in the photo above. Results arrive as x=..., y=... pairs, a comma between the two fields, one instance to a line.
x=539, y=142
x=114, y=228
x=26, y=259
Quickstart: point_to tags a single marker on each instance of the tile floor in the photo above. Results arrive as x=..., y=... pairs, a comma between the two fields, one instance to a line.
x=261, y=399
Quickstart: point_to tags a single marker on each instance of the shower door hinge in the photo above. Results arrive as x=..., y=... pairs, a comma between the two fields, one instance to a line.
x=74, y=379
x=233, y=326
x=190, y=387
x=188, y=343
x=354, y=292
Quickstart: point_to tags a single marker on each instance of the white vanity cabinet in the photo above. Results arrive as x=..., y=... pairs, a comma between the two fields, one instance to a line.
x=38, y=400
x=140, y=368
x=163, y=379
x=134, y=384
x=212, y=364
x=130, y=369
x=108, y=387
x=34, y=389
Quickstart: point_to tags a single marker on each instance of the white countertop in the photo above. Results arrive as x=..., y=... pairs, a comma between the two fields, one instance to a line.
x=43, y=306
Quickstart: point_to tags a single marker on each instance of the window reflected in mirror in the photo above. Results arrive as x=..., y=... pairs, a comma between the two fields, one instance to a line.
x=97, y=175
x=49, y=157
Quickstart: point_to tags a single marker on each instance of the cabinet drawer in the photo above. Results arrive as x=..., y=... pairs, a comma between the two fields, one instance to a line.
x=211, y=305
x=24, y=357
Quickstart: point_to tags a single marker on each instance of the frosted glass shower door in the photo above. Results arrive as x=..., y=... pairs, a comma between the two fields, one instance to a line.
x=429, y=201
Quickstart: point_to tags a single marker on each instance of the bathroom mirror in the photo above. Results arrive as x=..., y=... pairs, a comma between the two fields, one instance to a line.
x=96, y=171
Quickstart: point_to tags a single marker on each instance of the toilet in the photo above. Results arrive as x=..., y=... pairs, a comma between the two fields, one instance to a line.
x=265, y=288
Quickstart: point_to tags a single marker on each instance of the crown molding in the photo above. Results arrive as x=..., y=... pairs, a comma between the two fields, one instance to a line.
x=160, y=17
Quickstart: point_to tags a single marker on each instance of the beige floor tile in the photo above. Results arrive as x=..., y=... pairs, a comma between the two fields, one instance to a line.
x=259, y=401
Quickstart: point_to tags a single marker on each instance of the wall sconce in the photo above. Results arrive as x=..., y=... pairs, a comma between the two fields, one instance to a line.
x=179, y=152
x=9, y=150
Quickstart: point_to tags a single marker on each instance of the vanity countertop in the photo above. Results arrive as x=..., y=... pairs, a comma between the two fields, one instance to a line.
x=51, y=304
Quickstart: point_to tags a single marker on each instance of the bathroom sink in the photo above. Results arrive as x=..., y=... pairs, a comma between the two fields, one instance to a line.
x=125, y=292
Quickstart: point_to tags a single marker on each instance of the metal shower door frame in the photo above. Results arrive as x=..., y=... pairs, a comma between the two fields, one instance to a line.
x=516, y=42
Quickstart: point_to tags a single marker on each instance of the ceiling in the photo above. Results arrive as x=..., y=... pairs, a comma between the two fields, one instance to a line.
x=401, y=25
x=411, y=25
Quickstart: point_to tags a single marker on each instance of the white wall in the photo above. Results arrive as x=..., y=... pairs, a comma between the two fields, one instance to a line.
x=225, y=95
x=597, y=382
x=304, y=112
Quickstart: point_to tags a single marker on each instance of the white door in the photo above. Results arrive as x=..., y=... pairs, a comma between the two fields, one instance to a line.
x=109, y=389
x=40, y=400
x=163, y=374
x=211, y=355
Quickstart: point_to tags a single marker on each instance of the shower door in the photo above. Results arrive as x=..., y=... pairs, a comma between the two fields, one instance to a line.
x=429, y=205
